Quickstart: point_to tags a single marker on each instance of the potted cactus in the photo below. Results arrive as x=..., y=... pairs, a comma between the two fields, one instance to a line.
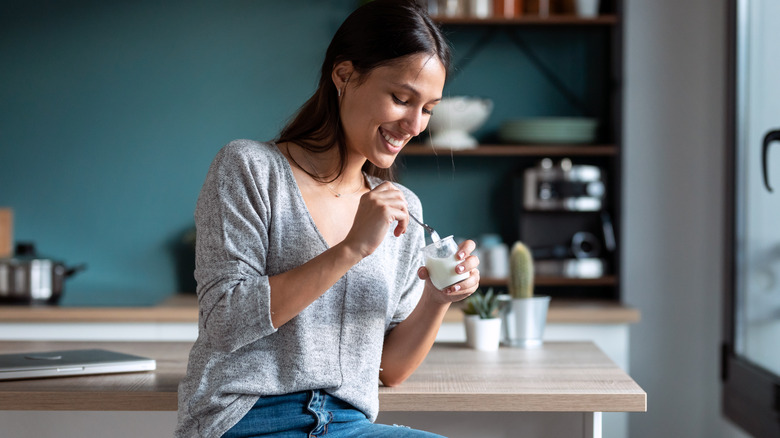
x=524, y=314
x=482, y=320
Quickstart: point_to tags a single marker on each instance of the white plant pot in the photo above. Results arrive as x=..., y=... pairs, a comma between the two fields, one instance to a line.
x=524, y=320
x=483, y=334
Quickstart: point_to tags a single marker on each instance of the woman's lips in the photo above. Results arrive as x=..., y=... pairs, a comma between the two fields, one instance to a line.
x=395, y=143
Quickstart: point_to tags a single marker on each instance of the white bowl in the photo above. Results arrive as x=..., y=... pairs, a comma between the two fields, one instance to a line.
x=455, y=118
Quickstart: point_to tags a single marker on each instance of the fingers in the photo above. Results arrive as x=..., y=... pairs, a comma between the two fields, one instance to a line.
x=466, y=248
x=377, y=211
x=457, y=291
x=394, y=204
x=467, y=286
x=422, y=273
x=468, y=263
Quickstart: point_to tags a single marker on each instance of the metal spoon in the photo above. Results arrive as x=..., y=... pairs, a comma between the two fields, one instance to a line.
x=434, y=235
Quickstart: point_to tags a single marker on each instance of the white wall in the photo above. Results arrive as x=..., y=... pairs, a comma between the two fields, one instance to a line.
x=675, y=82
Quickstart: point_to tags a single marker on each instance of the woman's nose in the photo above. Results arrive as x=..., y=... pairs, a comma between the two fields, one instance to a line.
x=414, y=123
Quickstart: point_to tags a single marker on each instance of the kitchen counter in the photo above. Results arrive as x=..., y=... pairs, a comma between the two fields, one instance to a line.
x=558, y=377
x=184, y=308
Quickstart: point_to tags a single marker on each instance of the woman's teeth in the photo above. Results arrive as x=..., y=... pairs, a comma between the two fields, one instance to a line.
x=392, y=141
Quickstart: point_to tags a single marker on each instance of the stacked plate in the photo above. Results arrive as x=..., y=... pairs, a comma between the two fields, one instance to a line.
x=549, y=130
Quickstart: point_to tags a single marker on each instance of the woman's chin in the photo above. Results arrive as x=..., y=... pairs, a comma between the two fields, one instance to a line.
x=383, y=163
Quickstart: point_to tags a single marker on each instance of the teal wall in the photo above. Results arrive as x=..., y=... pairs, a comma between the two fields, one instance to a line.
x=110, y=113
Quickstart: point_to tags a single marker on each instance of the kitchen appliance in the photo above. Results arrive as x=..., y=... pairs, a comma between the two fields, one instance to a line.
x=27, y=278
x=563, y=186
x=570, y=268
x=455, y=118
x=579, y=259
x=582, y=245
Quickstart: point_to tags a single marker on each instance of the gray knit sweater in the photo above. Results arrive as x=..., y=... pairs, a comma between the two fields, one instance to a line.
x=252, y=223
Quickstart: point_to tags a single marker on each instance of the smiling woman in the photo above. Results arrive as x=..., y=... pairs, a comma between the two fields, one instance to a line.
x=297, y=323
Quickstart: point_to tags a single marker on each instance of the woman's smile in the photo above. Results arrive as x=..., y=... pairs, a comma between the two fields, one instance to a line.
x=394, y=142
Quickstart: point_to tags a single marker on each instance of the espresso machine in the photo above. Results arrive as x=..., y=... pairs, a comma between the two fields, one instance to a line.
x=563, y=218
x=563, y=186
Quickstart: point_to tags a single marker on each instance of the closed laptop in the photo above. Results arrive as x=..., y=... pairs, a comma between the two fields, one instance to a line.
x=70, y=363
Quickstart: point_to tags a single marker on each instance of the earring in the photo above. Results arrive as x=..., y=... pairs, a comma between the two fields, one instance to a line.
x=339, y=92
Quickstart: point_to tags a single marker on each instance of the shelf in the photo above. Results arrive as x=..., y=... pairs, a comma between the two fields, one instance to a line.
x=488, y=150
x=570, y=311
x=609, y=280
x=531, y=20
x=500, y=165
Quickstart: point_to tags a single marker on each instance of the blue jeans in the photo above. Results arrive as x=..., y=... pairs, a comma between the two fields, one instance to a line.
x=313, y=414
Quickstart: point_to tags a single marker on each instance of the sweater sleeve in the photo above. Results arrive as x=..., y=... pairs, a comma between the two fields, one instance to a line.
x=231, y=218
x=410, y=285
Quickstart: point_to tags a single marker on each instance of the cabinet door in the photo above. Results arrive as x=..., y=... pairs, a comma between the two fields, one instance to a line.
x=752, y=353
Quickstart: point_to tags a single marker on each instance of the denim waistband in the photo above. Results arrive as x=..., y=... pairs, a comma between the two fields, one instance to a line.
x=323, y=408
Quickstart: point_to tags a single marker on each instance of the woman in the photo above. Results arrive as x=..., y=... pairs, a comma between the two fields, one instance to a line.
x=305, y=256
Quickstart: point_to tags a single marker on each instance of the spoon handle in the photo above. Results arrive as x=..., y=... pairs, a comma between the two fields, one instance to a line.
x=427, y=227
x=434, y=234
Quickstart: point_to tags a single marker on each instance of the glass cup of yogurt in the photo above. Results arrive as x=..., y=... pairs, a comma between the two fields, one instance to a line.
x=440, y=260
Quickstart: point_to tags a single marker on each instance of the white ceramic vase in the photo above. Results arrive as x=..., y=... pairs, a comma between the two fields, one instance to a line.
x=483, y=334
x=455, y=119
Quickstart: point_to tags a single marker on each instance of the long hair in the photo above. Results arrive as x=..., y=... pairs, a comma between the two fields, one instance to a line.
x=374, y=35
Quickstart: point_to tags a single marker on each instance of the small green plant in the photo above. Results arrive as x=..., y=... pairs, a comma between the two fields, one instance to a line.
x=521, y=271
x=484, y=304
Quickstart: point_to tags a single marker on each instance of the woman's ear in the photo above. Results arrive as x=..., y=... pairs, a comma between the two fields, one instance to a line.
x=341, y=74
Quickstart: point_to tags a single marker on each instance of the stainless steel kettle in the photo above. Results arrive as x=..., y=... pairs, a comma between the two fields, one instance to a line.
x=27, y=278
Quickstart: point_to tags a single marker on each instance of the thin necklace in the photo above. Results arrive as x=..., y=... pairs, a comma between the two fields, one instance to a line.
x=338, y=195
x=332, y=190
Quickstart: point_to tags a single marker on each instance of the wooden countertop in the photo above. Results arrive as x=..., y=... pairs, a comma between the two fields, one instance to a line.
x=558, y=377
x=184, y=308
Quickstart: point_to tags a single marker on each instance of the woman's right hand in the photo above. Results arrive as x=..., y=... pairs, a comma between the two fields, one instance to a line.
x=377, y=211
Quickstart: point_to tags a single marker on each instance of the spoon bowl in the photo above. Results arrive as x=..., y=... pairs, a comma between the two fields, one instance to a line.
x=434, y=235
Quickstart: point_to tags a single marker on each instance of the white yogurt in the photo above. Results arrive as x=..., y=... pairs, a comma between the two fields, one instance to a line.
x=442, y=271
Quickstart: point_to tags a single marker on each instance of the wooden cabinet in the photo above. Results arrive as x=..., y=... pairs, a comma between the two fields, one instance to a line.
x=529, y=66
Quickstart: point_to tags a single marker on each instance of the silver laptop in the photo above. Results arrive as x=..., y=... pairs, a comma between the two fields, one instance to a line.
x=70, y=363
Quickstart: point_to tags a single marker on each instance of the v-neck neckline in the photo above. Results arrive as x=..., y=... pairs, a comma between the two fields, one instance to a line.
x=299, y=194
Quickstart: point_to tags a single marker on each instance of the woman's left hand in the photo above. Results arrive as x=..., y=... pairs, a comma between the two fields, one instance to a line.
x=461, y=290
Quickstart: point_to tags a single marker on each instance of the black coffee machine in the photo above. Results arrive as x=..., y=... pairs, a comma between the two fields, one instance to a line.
x=563, y=218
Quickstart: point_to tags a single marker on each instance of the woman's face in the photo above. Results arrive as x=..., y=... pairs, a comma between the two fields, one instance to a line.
x=382, y=111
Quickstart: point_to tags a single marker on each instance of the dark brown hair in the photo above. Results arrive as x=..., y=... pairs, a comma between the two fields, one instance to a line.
x=376, y=34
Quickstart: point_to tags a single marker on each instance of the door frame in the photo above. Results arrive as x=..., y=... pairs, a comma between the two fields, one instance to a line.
x=750, y=395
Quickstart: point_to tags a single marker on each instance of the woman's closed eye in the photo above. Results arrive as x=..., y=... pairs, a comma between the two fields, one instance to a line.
x=398, y=101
